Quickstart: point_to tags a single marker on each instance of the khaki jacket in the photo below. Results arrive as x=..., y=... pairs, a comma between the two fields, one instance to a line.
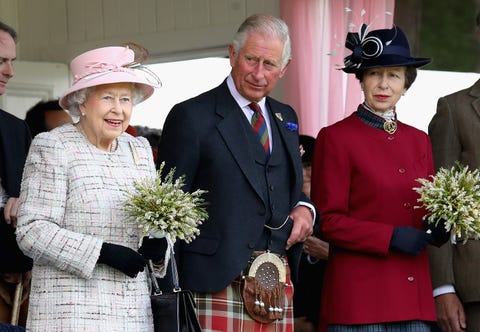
x=455, y=134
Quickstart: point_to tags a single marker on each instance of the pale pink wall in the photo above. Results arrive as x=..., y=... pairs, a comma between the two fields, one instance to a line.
x=320, y=93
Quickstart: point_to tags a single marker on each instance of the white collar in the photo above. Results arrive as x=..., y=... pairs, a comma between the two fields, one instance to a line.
x=242, y=101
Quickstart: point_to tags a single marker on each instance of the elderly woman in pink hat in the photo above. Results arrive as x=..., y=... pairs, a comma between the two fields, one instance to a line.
x=87, y=274
x=377, y=276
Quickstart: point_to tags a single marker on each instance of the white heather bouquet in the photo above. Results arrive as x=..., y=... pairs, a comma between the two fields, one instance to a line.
x=162, y=207
x=454, y=195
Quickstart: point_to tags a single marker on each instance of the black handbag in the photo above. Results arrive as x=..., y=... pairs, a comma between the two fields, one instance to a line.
x=173, y=311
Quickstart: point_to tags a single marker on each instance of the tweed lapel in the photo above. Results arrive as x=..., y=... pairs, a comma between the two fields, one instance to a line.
x=231, y=129
x=475, y=92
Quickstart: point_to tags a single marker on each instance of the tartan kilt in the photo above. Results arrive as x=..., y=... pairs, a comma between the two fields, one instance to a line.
x=224, y=311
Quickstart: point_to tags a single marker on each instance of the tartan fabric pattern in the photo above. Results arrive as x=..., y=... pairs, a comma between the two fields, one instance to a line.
x=369, y=118
x=260, y=127
x=410, y=326
x=224, y=311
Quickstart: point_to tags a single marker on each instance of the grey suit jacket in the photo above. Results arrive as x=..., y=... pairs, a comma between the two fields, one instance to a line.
x=455, y=134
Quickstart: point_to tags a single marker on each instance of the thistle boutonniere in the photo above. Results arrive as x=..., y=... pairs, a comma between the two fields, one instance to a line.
x=291, y=126
x=302, y=150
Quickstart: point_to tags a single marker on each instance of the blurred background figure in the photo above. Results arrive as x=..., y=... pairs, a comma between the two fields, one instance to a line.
x=46, y=115
x=308, y=289
x=153, y=136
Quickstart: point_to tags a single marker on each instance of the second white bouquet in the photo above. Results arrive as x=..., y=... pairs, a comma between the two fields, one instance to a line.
x=453, y=194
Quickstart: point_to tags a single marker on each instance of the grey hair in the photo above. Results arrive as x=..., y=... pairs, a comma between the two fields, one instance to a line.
x=77, y=98
x=264, y=24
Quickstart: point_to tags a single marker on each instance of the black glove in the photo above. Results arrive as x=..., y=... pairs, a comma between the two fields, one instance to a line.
x=153, y=249
x=437, y=235
x=122, y=258
x=409, y=240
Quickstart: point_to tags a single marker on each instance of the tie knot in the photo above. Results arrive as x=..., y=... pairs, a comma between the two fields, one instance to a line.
x=255, y=107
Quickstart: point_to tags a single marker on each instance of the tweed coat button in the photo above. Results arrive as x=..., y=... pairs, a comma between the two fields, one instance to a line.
x=411, y=279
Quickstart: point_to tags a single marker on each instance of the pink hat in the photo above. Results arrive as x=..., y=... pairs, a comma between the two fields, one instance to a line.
x=106, y=65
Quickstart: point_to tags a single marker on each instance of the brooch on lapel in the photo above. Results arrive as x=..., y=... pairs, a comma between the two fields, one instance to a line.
x=291, y=126
x=279, y=116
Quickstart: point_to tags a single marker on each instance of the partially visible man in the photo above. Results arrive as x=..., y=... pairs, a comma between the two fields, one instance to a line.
x=242, y=146
x=14, y=143
x=455, y=268
x=46, y=115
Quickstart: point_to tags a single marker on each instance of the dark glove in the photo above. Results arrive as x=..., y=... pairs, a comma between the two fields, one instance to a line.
x=153, y=249
x=122, y=258
x=409, y=240
x=437, y=235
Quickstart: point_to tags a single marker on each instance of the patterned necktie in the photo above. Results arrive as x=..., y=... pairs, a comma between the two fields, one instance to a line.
x=260, y=127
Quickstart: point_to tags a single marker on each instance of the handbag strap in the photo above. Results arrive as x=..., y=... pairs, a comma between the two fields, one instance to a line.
x=173, y=264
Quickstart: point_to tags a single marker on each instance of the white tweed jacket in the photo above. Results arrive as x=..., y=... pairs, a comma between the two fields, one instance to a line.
x=71, y=201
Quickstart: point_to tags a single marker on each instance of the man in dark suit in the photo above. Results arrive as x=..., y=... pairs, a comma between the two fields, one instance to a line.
x=455, y=268
x=255, y=199
x=14, y=143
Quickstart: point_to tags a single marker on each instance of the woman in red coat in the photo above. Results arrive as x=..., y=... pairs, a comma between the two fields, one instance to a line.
x=364, y=168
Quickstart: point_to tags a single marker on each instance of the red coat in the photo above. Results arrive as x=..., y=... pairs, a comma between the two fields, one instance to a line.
x=362, y=185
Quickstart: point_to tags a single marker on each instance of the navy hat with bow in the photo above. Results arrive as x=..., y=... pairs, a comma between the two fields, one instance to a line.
x=379, y=48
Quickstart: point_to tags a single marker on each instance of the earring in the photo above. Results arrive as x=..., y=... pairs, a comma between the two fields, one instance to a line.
x=83, y=114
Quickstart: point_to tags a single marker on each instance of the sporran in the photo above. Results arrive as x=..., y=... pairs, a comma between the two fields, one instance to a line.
x=263, y=288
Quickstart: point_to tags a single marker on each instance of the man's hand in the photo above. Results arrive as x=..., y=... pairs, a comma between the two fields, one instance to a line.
x=10, y=211
x=450, y=313
x=302, y=225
